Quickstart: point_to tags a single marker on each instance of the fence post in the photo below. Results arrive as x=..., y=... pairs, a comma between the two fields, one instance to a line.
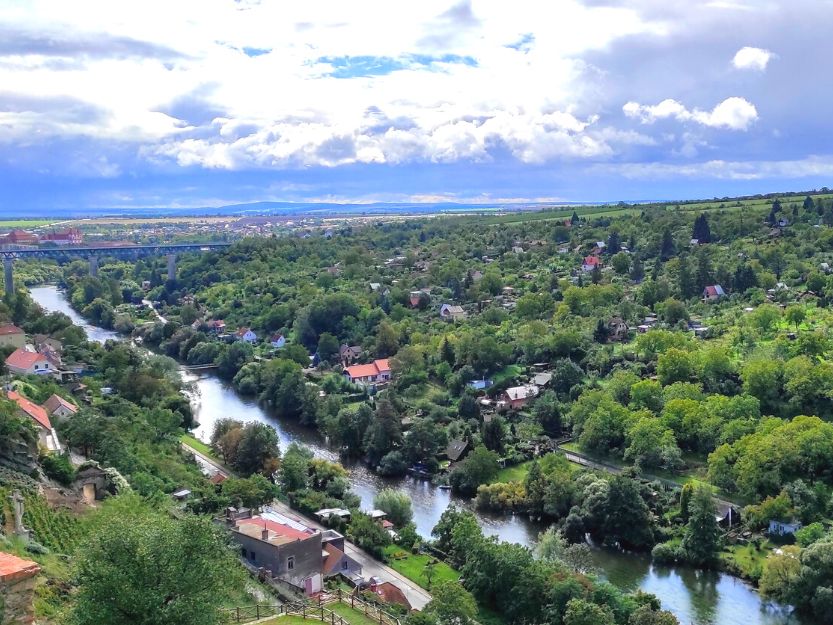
x=238, y=614
x=303, y=611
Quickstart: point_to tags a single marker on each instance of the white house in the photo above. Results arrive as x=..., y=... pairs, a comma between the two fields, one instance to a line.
x=376, y=371
x=451, y=312
x=24, y=362
x=278, y=341
x=246, y=334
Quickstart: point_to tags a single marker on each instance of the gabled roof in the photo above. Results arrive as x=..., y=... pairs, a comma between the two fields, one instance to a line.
x=391, y=593
x=9, y=328
x=714, y=290
x=455, y=449
x=56, y=401
x=334, y=556
x=24, y=359
x=278, y=533
x=364, y=371
x=32, y=409
x=591, y=260
x=521, y=392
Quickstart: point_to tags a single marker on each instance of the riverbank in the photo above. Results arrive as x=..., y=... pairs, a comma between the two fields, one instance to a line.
x=695, y=597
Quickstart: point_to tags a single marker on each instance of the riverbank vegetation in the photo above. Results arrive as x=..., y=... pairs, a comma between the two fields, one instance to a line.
x=682, y=346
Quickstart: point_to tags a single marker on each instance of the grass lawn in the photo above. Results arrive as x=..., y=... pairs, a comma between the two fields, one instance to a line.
x=412, y=566
x=354, y=617
x=197, y=444
x=747, y=558
x=290, y=620
x=515, y=473
x=24, y=223
x=508, y=372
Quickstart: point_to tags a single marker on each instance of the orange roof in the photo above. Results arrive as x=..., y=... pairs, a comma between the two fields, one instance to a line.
x=12, y=568
x=365, y=371
x=31, y=409
x=390, y=593
x=24, y=359
x=591, y=260
x=334, y=555
x=217, y=478
x=10, y=329
x=382, y=364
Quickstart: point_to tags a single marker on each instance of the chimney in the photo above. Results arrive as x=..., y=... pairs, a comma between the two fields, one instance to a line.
x=264, y=534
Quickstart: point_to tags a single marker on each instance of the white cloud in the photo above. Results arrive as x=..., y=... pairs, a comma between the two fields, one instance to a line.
x=812, y=166
x=752, y=58
x=734, y=113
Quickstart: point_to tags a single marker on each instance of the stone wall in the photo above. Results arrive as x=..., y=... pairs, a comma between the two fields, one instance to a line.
x=17, y=590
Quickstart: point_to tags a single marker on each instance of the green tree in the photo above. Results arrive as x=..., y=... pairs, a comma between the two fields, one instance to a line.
x=327, y=347
x=141, y=567
x=397, y=505
x=387, y=340
x=250, y=492
x=258, y=450
x=701, y=538
x=582, y=612
x=452, y=604
x=795, y=315
x=368, y=534
x=479, y=467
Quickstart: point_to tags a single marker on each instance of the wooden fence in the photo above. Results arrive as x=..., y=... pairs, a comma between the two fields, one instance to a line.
x=368, y=609
x=250, y=613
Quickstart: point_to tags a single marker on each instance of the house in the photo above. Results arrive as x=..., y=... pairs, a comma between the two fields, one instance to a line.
x=12, y=335
x=781, y=528
x=480, y=385
x=47, y=437
x=390, y=593
x=516, y=397
x=375, y=286
x=450, y=312
x=726, y=515
x=45, y=343
x=694, y=242
x=590, y=263
x=24, y=362
x=517, y=249
x=783, y=222
x=349, y=354
x=217, y=326
x=277, y=341
x=245, y=334
x=376, y=371
x=217, y=479
x=70, y=236
x=326, y=514
x=456, y=450
x=713, y=293
x=598, y=248
x=542, y=379
x=415, y=298
x=336, y=562
x=617, y=329
x=181, y=495
x=286, y=549
x=58, y=407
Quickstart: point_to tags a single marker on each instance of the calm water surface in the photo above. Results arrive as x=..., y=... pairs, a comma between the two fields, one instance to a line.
x=695, y=597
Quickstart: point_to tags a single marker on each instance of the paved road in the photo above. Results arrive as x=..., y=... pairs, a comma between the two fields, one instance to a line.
x=417, y=596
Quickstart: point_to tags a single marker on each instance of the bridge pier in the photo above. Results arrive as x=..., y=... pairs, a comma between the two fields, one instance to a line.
x=8, y=274
x=94, y=266
x=171, y=266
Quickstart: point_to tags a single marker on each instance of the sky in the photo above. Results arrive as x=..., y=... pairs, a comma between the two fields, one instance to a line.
x=128, y=103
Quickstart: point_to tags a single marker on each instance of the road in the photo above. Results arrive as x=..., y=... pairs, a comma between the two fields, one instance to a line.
x=150, y=305
x=371, y=567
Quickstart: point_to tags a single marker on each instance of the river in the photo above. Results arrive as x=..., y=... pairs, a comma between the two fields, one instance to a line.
x=695, y=597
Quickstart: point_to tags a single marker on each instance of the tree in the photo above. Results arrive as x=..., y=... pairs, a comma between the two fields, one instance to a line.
x=447, y=351
x=258, y=451
x=327, y=346
x=637, y=270
x=685, y=282
x=581, y=612
x=621, y=263
x=648, y=615
x=294, y=473
x=701, y=538
x=368, y=534
x=795, y=315
x=701, y=230
x=675, y=365
x=387, y=340
x=809, y=205
x=397, y=505
x=452, y=604
x=493, y=435
x=479, y=467
x=667, y=245
x=779, y=573
x=250, y=492
x=141, y=567
x=600, y=333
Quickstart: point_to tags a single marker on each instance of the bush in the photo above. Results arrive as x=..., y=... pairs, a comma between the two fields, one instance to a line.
x=59, y=468
x=665, y=553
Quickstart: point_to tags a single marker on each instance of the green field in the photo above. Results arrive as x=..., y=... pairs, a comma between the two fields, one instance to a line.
x=515, y=473
x=24, y=223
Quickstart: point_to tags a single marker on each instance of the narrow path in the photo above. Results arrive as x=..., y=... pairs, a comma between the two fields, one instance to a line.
x=371, y=567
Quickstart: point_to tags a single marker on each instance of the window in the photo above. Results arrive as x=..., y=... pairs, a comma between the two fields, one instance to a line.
x=290, y=563
x=344, y=565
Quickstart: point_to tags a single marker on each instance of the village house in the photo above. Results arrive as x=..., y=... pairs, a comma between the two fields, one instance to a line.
x=290, y=551
x=713, y=292
x=278, y=341
x=246, y=334
x=12, y=335
x=782, y=528
x=349, y=354
x=517, y=397
x=19, y=237
x=542, y=379
x=47, y=437
x=59, y=408
x=456, y=450
x=590, y=263
x=29, y=362
x=451, y=312
x=45, y=343
x=376, y=371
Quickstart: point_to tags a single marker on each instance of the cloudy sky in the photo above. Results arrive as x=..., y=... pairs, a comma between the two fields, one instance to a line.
x=210, y=102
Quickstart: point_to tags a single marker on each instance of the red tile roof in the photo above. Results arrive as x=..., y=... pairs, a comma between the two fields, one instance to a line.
x=334, y=555
x=365, y=371
x=31, y=409
x=391, y=593
x=24, y=359
x=591, y=260
x=10, y=329
x=14, y=568
x=217, y=478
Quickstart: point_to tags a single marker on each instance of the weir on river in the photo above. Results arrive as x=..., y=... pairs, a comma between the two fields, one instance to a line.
x=695, y=597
